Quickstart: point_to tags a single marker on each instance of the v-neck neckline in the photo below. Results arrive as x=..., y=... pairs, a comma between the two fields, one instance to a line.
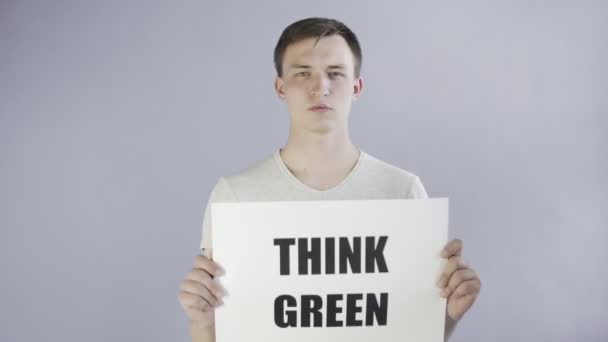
x=294, y=179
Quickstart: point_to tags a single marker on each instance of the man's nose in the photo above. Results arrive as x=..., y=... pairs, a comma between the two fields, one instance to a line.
x=320, y=86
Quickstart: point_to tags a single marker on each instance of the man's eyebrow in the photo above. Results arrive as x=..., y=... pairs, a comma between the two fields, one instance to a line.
x=305, y=66
x=299, y=66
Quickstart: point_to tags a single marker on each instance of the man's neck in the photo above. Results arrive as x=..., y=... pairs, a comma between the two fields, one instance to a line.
x=321, y=161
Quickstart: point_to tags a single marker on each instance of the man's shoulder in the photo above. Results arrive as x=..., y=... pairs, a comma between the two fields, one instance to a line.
x=385, y=170
x=262, y=168
x=252, y=180
x=391, y=180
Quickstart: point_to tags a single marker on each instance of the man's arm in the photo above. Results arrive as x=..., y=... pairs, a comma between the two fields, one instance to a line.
x=200, y=333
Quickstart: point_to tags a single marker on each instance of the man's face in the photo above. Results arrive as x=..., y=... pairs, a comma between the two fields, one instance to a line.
x=321, y=74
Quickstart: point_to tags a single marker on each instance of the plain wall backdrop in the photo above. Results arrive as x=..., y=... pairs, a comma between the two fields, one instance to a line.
x=117, y=118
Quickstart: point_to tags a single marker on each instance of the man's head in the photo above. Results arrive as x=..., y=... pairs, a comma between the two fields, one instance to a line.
x=318, y=62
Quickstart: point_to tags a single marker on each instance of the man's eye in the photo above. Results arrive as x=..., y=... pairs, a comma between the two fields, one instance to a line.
x=335, y=74
x=302, y=73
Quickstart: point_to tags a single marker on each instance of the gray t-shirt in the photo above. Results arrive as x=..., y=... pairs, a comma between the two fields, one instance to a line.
x=271, y=180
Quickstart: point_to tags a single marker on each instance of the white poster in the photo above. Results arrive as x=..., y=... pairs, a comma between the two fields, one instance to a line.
x=354, y=270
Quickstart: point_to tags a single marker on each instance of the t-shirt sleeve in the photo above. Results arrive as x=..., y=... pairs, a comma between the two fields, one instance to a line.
x=221, y=192
x=417, y=190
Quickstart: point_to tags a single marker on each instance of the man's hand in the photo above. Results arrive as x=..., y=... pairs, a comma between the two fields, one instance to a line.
x=459, y=282
x=200, y=293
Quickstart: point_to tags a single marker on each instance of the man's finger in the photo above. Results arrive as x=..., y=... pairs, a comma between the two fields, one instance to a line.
x=452, y=248
x=456, y=279
x=469, y=287
x=193, y=287
x=454, y=263
x=191, y=300
x=204, y=278
x=206, y=264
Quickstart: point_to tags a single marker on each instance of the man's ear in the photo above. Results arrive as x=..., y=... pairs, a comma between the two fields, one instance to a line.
x=278, y=87
x=357, y=88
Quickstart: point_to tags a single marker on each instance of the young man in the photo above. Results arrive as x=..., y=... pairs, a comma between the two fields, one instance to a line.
x=318, y=63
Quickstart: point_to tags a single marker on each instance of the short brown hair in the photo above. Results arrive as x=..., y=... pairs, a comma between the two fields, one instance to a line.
x=316, y=28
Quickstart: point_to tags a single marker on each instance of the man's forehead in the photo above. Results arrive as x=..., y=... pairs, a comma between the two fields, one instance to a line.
x=329, y=51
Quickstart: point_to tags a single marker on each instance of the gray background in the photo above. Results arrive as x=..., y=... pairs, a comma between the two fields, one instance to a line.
x=116, y=119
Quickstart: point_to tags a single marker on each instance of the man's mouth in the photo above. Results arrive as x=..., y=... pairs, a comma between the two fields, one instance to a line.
x=319, y=108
